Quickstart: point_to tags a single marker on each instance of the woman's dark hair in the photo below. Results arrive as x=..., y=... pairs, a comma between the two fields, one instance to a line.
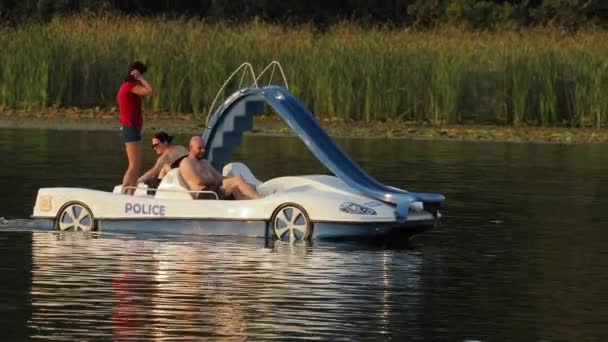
x=163, y=137
x=137, y=65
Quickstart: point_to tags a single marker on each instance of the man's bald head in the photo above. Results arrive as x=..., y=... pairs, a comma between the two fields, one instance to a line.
x=197, y=147
x=196, y=140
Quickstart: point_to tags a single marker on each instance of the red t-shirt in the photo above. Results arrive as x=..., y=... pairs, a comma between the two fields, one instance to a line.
x=129, y=105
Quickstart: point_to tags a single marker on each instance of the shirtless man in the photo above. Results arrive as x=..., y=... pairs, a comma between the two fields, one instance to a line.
x=200, y=175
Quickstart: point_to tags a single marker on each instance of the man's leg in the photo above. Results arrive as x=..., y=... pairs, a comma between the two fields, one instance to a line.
x=241, y=190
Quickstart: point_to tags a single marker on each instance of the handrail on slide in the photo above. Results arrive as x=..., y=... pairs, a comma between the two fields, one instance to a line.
x=274, y=65
x=247, y=67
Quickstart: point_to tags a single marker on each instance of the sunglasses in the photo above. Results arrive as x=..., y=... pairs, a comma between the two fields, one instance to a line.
x=155, y=145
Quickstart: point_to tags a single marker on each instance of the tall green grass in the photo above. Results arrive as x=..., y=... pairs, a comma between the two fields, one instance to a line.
x=450, y=75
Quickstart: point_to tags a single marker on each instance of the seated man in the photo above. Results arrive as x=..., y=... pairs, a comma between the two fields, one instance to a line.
x=199, y=175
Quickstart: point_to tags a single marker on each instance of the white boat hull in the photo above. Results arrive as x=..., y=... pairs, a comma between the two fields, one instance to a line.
x=319, y=198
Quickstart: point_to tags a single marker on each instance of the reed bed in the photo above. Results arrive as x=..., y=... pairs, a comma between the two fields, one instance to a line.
x=450, y=75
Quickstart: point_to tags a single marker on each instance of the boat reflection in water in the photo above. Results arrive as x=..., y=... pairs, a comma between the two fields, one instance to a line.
x=128, y=288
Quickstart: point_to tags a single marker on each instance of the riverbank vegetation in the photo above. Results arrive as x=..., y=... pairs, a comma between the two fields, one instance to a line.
x=479, y=14
x=446, y=74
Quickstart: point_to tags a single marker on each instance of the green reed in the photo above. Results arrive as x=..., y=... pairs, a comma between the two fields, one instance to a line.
x=449, y=75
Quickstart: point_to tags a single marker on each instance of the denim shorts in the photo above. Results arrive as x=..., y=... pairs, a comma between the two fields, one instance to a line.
x=130, y=134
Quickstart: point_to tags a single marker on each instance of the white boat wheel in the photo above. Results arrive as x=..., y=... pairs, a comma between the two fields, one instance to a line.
x=291, y=222
x=75, y=217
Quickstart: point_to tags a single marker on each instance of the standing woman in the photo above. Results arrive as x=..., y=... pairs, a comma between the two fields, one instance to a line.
x=131, y=120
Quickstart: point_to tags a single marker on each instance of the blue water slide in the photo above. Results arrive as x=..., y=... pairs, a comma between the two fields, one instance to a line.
x=235, y=116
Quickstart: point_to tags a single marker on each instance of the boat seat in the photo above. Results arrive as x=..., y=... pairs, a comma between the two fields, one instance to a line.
x=238, y=168
x=173, y=186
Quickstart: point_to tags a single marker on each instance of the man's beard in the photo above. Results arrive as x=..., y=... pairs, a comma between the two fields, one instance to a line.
x=200, y=155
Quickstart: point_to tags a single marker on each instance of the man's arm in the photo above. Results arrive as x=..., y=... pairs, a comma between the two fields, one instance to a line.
x=218, y=176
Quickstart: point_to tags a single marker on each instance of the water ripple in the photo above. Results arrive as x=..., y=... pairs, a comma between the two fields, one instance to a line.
x=87, y=287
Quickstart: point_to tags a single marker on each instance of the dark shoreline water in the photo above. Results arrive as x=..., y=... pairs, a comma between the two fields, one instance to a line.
x=520, y=254
x=75, y=119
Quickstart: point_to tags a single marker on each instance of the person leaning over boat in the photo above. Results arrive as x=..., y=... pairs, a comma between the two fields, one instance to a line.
x=199, y=175
x=129, y=99
x=169, y=157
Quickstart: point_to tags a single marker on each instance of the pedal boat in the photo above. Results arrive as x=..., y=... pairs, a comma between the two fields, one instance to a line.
x=347, y=204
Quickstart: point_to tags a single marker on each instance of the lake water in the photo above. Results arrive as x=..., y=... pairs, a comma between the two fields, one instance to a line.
x=521, y=253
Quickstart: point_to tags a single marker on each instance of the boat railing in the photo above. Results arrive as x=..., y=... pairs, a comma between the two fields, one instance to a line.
x=244, y=68
x=173, y=190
